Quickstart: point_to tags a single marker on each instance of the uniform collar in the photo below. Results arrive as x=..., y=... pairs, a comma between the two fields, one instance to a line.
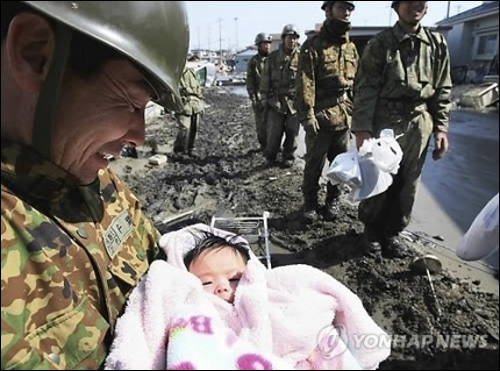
x=329, y=31
x=286, y=52
x=402, y=35
x=32, y=174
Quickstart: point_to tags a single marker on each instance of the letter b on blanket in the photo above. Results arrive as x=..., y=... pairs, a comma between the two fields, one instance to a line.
x=199, y=324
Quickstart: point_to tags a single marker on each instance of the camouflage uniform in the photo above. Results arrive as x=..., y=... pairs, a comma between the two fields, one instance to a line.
x=190, y=117
x=70, y=257
x=278, y=92
x=254, y=78
x=327, y=68
x=403, y=84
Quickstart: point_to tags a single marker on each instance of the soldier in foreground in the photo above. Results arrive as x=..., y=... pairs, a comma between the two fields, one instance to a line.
x=254, y=78
x=75, y=84
x=403, y=84
x=327, y=68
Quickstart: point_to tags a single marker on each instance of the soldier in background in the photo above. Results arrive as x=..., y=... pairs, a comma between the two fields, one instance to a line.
x=189, y=117
x=278, y=94
x=75, y=84
x=403, y=84
x=254, y=78
x=327, y=68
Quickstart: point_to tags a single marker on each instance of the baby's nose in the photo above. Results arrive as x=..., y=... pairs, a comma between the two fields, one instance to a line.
x=222, y=289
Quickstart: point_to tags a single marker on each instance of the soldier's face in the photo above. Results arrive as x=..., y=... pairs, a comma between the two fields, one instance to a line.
x=412, y=12
x=340, y=10
x=97, y=116
x=291, y=42
x=265, y=48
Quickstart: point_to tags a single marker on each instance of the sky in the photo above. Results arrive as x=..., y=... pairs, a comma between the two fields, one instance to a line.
x=240, y=21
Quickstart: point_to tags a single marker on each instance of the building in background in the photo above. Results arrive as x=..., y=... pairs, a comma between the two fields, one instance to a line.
x=473, y=42
x=242, y=58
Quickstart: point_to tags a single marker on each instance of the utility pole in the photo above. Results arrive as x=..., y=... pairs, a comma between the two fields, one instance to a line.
x=220, y=40
x=449, y=9
x=199, y=40
x=209, y=43
x=236, y=24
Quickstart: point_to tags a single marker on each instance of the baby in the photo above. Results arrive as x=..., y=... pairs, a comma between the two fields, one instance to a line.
x=218, y=263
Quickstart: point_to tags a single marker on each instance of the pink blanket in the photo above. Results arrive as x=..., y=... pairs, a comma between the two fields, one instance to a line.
x=297, y=314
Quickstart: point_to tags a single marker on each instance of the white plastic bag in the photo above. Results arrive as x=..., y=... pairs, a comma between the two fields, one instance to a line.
x=387, y=153
x=369, y=172
x=345, y=169
x=481, y=240
x=375, y=181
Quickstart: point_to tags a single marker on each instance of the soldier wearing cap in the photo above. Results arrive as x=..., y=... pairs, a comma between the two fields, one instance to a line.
x=254, y=78
x=189, y=116
x=76, y=78
x=327, y=68
x=403, y=84
x=278, y=93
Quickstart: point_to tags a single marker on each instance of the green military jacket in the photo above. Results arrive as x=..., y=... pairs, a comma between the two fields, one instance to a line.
x=192, y=97
x=402, y=74
x=327, y=70
x=278, y=81
x=70, y=257
x=255, y=70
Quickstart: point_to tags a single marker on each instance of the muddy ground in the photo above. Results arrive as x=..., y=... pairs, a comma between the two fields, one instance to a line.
x=228, y=177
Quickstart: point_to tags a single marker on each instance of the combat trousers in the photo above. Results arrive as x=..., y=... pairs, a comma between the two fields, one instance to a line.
x=325, y=145
x=390, y=213
x=279, y=124
x=260, y=124
x=188, y=128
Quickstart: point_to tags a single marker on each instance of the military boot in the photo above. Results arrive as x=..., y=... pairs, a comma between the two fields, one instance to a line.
x=332, y=207
x=373, y=240
x=310, y=211
x=395, y=248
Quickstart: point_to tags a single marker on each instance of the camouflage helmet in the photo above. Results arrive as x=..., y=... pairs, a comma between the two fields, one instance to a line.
x=263, y=38
x=326, y=3
x=159, y=49
x=290, y=29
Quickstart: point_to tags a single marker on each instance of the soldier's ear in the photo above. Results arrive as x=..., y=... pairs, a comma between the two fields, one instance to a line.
x=30, y=45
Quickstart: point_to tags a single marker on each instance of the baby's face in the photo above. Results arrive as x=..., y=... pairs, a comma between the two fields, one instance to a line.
x=219, y=271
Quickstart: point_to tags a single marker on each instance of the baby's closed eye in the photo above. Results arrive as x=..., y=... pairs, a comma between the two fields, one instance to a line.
x=235, y=278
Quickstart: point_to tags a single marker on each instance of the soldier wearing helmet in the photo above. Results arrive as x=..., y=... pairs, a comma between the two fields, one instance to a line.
x=290, y=29
x=263, y=38
x=278, y=92
x=330, y=3
x=404, y=83
x=76, y=78
x=327, y=68
x=254, y=78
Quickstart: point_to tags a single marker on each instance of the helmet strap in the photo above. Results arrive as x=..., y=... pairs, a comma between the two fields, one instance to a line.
x=48, y=100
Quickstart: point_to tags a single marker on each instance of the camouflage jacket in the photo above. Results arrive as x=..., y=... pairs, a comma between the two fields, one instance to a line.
x=192, y=97
x=70, y=257
x=401, y=74
x=278, y=81
x=327, y=70
x=254, y=76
